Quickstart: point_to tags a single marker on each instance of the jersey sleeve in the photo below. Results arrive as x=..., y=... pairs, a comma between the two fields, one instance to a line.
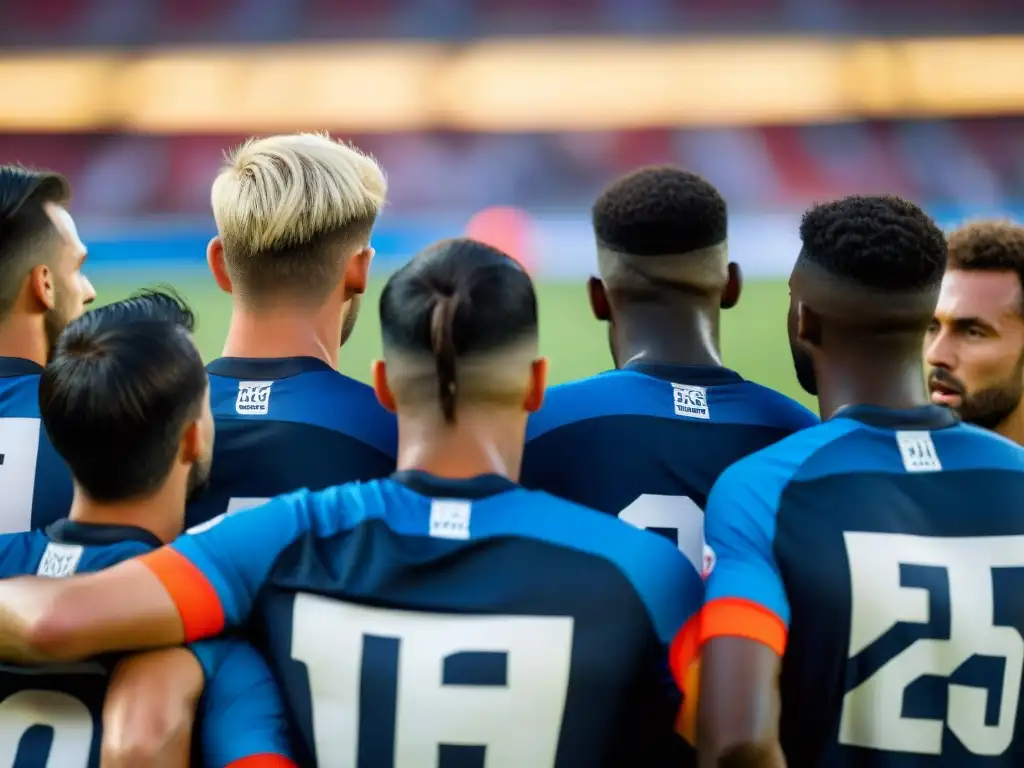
x=745, y=595
x=242, y=722
x=213, y=576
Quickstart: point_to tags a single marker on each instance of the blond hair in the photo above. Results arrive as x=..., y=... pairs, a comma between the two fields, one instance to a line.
x=287, y=206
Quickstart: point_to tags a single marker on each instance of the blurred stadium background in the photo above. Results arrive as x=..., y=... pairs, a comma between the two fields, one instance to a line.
x=522, y=110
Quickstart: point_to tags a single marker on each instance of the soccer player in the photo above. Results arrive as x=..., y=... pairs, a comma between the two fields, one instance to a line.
x=869, y=570
x=125, y=400
x=294, y=215
x=647, y=441
x=444, y=614
x=975, y=344
x=42, y=288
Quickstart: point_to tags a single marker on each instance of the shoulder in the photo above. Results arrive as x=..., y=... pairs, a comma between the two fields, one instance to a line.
x=19, y=396
x=762, y=476
x=966, y=446
x=657, y=571
x=16, y=550
x=322, y=399
x=98, y=558
x=765, y=406
x=612, y=393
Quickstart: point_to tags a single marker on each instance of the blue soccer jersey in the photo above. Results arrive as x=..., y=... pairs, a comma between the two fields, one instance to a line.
x=35, y=485
x=52, y=714
x=289, y=423
x=883, y=554
x=647, y=442
x=418, y=620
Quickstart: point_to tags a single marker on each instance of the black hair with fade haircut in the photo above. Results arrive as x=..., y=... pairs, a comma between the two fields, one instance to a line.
x=24, y=224
x=882, y=243
x=660, y=211
x=989, y=246
x=456, y=299
x=124, y=381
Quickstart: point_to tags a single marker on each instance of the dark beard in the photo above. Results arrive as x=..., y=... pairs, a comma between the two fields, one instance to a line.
x=803, y=364
x=54, y=323
x=198, y=481
x=349, y=323
x=988, y=408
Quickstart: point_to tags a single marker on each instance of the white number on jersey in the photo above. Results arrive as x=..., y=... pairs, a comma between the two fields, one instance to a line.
x=518, y=723
x=69, y=718
x=674, y=513
x=871, y=716
x=236, y=504
x=19, y=450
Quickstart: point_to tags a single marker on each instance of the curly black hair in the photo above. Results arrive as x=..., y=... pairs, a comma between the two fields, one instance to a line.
x=660, y=211
x=882, y=242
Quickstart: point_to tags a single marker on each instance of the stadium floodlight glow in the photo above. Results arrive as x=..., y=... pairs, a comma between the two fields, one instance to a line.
x=543, y=84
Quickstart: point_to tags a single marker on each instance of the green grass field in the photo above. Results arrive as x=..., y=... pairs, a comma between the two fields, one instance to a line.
x=754, y=336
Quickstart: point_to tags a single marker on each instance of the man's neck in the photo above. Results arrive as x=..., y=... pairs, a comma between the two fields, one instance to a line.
x=480, y=443
x=286, y=332
x=682, y=334
x=160, y=514
x=24, y=336
x=1012, y=428
x=888, y=377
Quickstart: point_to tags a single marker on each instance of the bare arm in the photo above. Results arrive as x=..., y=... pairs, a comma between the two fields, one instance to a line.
x=150, y=709
x=738, y=715
x=122, y=608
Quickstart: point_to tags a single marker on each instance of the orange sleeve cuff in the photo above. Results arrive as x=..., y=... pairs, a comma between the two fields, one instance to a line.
x=735, y=617
x=684, y=649
x=264, y=761
x=192, y=593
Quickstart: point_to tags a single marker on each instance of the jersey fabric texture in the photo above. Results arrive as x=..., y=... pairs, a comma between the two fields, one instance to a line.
x=289, y=423
x=883, y=554
x=35, y=484
x=647, y=442
x=52, y=714
x=472, y=620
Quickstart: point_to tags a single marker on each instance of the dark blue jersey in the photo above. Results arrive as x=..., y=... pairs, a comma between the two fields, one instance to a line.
x=35, y=485
x=50, y=716
x=289, y=423
x=647, y=442
x=883, y=553
x=469, y=620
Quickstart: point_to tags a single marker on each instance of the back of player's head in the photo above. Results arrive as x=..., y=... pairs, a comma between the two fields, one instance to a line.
x=290, y=210
x=27, y=233
x=459, y=326
x=125, y=383
x=872, y=261
x=989, y=246
x=659, y=228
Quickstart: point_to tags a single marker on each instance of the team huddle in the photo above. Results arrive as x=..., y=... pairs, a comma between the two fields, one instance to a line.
x=262, y=563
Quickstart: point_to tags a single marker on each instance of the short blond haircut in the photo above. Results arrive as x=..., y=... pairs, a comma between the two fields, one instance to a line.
x=290, y=209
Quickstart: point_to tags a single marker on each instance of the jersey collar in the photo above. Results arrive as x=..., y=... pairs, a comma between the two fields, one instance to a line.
x=923, y=417
x=262, y=369
x=698, y=375
x=18, y=366
x=479, y=487
x=98, y=534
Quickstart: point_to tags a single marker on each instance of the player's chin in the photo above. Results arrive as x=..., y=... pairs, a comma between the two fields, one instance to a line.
x=947, y=399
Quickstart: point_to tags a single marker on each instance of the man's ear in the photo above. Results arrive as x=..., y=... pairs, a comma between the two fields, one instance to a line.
x=379, y=375
x=808, y=325
x=357, y=272
x=599, y=304
x=218, y=268
x=192, y=442
x=41, y=286
x=538, y=383
x=733, y=287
